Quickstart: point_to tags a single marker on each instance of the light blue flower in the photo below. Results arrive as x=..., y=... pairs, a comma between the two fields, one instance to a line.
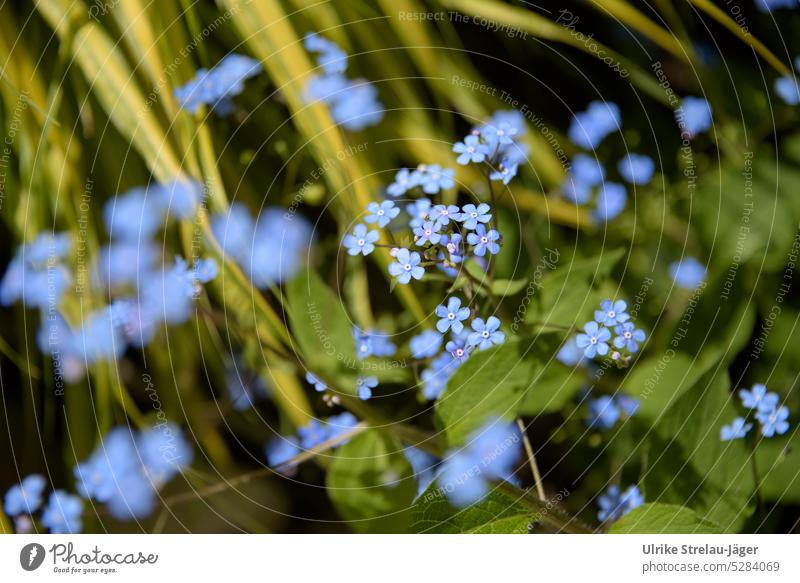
x=612, y=313
x=594, y=340
x=435, y=178
x=738, y=429
x=361, y=241
x=404, y=181
x=364, y=386
x=603, y=412
x=418, y=211
x=770, y=5
x=694, y=116
x=425, y=344
x=471, y=150
x=483, y=241
x=180, y=197
x=773, y=421
x=570, y=354
x=451, y=316
x=628, y=337
x=312, y=434
x=499, y=134
x=406, y=266
x=588, y=128
x=458, y=348
x=443, y=214
x=575, y=192
x=433, y=383
x=318, y=385
x=217, y=87
x=587, y=170
x=62, y=515
x=787, y=89
x=759, y=398
x=614, y=505
x=611, y=200
x=688, y=273
x=471, y=215
x=280, y=450
x=164, y=452
x=372, y=343
x=381, y=213
x=331, y=58
x=423, y=465
x=25, y=497
x=454, y=246
x=428, y=233
x=341, y=424
x=627, y=404
x=506, y=171
x=486, y=334
x=637, y=168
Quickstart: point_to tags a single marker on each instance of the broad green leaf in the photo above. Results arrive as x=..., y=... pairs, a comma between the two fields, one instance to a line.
x=664, y=519
x=372, y=484
x=552, y=388
x=779, y=471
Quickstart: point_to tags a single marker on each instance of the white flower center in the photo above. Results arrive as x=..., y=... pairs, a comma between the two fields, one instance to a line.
x=485, y=333
x=380, y=212
x=484, y=239
x=451, y=316
x=473, y=215
x=593, y=340
x=407, y=267
x=361, y=242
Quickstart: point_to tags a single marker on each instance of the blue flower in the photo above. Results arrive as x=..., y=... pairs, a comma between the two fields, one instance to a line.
x=773, y=421
x=637, y=168
x=575, y=192
x=594, y=340
x=204, y=270
x=694, y=116
x=361, y=241
x=126, y=263
x=357, y=107
x=25, y=497
x=687, y=273
x=364, y=386
x=372, y=343
x=471, y=150
x=770, y=5
x=331, y=58
x=500, y=134
x=627, y=404
x=36, y=274
x=243, y=390
x=458, y=348
x=217, y=87
x=611, y=313
x=454, y=246
x=234, y=231
x=319, y=385
x=312, y=434
x=506, y=171
x=614, y=505
x=404, y=181
x=451, y=316
x=570, y=354
x=787, y=89
x=433, y=383
x=423, y=465
x=611, y=201
x=341, y=424
x=759, y=398
x=428, y=233
x=164, y=452
x=418, y=211
x=738, y=429
x=443, y=214
x=471, y=215
x=62, y=515
x=603, y=412
x=628, y=337
x=486, y=334
x=280, y=450
x=97, y=477
x=425, y=344
x=181, y=197
x=406, y=266
x=588, y=128
x=483, y=241
x=587, y=170
x=435, y=178
x=381, y=213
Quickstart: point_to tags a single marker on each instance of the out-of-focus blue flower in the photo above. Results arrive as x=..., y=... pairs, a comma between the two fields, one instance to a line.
x=423, y=465
x=126, y=263
x=427, y=233
x=694, y=116
x=168, y=294
x=759, y=398
x=574, y=191
x=471, y=150
x=134, y=499
x=612, y=313
x=181, y=197
x=628, y=405
x=687, y=273
x=587, y=170
x=331, y=58
x=770, y=5
x=593, y=340
x=486, y=334
x=372, y=343
x=738, y=429
x=404, y=181
x=361, y=241
x=451, y=316
x=234, y=231
x=588, y=128
x=418, y=211
x=637, y=168
x=499, y=134
x=483, y=241
x=442, y=214
x=611, y=199
x=773, y=421
x=135, y=215
x=406, y=266
x=364, y=386
x=570, y=354
x=341, y=424
x=100, y=338
x=506, y=171
x=454, y=244
x=25, y=497
x=280, y=450
x=165, y=452
x=218, y=86
x=244, y=390
x=614, y=505
x=36, y=275
x=603, y=412
x=628, y=337
x=435, y=178
x=787, y=89
x=357, y=107
x=381, y=213
x=318, y=385
x=490, y=454
x=471, y=215
x=62, y=515
x=312, y=434
x=425, y=344
x=97, y=477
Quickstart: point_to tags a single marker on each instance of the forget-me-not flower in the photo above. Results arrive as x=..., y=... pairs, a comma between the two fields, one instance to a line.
x=637, y=168
x=471, y=150
x=361, y=240
x=486, y=334
x=628, y=337
x=435, y=178
x=364, y=386
x=425, y=344
x=483, y=241
x=615, y=504
x=406, y=266
x=471, y=215
x=381, y=213
x=774, y=421
x=612, y=313
x=25, y=497
x=593, y=340
x=451, y=316
x=428, y=233
x=62, y=515
x=738, y=429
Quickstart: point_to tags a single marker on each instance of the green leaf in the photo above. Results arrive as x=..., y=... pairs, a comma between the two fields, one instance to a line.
x=321, y=325
x=690, y=465
x=663, y=519
x=497, y=513
x=551, y=389
x=371, y=483
x=508, y=287
x=779, y=473
x=490, y=383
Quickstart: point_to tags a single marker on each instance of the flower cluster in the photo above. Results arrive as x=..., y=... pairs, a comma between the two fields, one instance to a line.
x=282, y=448
x=604, y=411
x=219, y=85
x=270, y=250
x=615, y=504
x=490, y=454
x=353, y=104
x=61, y=514
x=127, y=469
x=765, y=407
x=37, y=274
x=495, y=144
x=596, y=336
